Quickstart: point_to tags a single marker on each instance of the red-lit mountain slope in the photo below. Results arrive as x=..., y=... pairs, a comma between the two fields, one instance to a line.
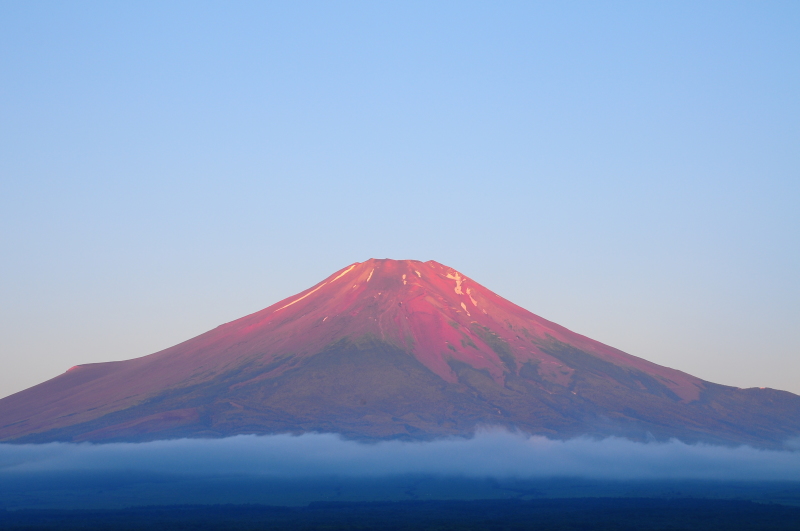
x=392, y=348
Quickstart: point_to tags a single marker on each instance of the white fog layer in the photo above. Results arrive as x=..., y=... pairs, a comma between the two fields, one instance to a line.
x=488, y=454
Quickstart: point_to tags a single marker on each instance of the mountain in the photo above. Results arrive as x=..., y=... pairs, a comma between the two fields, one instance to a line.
x=393, y=349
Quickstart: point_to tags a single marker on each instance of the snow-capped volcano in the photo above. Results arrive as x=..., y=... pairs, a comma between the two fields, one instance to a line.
x=392, y=348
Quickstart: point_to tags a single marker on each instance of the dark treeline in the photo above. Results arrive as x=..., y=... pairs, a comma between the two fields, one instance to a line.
x=586, y=514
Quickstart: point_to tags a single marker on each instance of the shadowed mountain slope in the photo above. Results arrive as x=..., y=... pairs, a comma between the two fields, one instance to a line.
x=392, y=349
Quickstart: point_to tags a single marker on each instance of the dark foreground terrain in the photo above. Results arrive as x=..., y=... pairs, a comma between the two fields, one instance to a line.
x=115, y=491
x=133, y=501
x=556, y=514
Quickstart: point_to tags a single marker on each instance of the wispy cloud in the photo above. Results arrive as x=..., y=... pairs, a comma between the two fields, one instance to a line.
x=488, y=454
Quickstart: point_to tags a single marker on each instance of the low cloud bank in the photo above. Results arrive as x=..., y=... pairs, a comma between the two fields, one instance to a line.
x=489, y=454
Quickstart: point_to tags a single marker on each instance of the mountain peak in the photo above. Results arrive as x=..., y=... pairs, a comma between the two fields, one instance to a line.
x=439, y=315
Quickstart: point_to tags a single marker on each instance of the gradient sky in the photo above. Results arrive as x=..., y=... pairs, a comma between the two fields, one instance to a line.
x=628, y=170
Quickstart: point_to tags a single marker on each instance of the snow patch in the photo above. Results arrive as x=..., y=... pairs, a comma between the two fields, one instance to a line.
x=340, y=275
x=404, y=280
x=458, y=278
x=465, y=308
x=343, y=273
x=307, y=294
x=370, y=274
x=417, y=272
x=469, y=294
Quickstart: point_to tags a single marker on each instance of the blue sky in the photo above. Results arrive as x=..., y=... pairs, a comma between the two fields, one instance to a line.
x=628, y=170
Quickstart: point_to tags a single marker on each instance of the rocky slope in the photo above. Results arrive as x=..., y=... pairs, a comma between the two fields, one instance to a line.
x=392, y=349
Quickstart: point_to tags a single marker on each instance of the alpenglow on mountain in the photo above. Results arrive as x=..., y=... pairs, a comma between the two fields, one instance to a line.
x=392, y=349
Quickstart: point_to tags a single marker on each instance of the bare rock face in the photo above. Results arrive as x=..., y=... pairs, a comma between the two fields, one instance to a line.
x=392, y=349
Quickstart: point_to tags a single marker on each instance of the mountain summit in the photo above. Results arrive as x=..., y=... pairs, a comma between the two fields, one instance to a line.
x=392, y=349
